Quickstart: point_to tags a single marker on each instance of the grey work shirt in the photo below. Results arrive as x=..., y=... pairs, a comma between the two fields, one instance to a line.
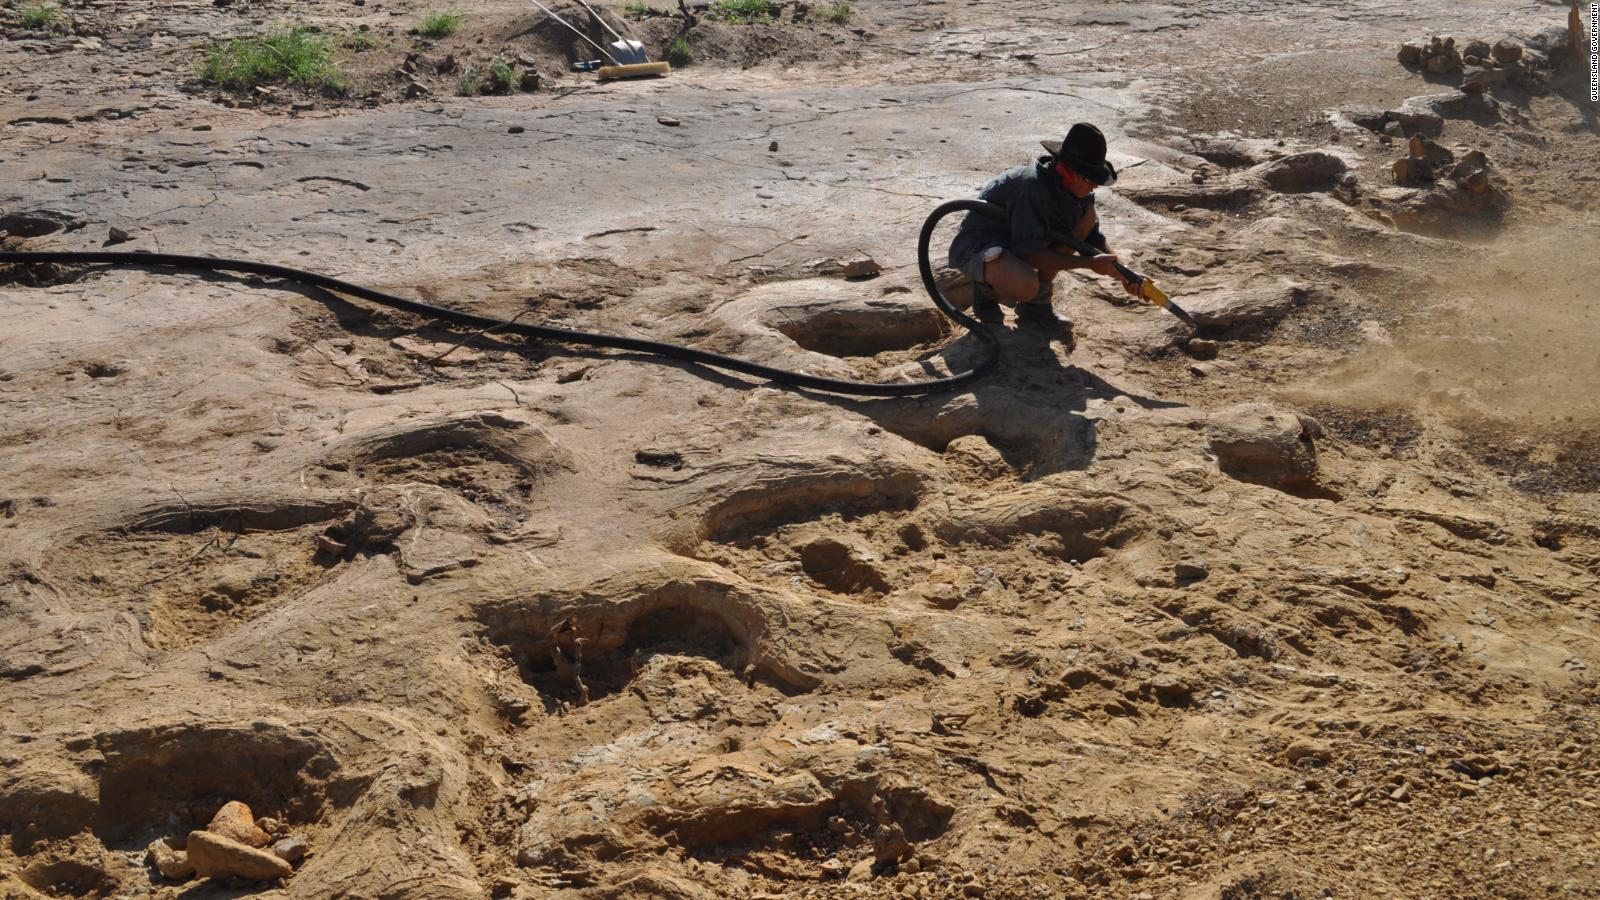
x=1037, y=205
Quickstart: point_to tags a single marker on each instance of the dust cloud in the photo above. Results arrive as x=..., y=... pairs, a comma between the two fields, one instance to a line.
x=1511, y=341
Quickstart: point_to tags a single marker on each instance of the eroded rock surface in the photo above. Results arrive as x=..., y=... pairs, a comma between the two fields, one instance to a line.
x=1301, y=604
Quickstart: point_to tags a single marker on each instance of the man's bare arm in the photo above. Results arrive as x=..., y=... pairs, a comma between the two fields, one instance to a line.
x=1057, y=261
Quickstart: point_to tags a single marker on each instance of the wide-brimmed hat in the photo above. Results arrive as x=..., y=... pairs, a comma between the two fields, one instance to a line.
x=1084, y=149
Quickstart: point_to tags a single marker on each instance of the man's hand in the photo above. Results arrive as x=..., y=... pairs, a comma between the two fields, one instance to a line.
x=1105, y=264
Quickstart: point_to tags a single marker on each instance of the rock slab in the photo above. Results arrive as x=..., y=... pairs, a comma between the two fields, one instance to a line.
x=215, y=856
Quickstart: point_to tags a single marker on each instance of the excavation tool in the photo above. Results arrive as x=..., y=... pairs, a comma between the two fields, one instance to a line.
x=987, y=353
x=628, y=59
x=1143, y=286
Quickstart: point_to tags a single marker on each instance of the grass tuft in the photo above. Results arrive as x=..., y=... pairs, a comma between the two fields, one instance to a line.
x=360, y=41
x=838, y=14
x=680, y=52
x=296, y=56
x=41, y=17
x=745, y=12
x=441, y=24
x=502, y=77
x=470, y=82
x=638, y=10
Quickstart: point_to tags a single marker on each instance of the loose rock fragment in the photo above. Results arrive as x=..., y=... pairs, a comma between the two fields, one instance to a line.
x=332, y=547
x=860, y=267
x=291, y=849
x=1421, y=147
x=215, y=856
x=1307, y=752
x=173, y=864
x=235, y=822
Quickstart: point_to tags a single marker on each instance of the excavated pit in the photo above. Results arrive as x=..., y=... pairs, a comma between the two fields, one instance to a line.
x=194, y=570
x=807, y=496
x=835, y=566
x=168, y=780
x=582, y=650
x=870, y=330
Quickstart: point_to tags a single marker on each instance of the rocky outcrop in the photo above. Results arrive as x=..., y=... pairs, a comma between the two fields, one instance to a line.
x=1439, y=193
x=1263, y=444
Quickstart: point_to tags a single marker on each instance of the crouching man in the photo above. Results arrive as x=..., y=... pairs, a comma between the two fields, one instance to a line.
x=1014, y=260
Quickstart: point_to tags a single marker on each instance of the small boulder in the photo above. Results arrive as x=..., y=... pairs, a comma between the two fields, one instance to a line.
x=1264, y=444
x=1507, y=51
x=291, y=849
x=1441, y=57
x=215, y=856
x=1411, y=170
x=1410, y=54
x=1172, y=691
x=1246, y=311
x=1476, y=47
x=1191, y=570
x=1369, y=117
x=1470, y=162
x=1303, y=752
x=1313, y=170
x=860, y=267
x=172, y=864
x=1480, y=80
x=1415, y=120
x=1421, y=147
x=235, y=822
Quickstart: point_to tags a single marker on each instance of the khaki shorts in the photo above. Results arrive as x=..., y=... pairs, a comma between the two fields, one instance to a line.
x=974, y=266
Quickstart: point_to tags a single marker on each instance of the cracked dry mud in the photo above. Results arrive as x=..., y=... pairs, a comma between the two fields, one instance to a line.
x=1316, y=617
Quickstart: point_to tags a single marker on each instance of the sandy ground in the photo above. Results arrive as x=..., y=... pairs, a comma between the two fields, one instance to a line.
x=1314, y=612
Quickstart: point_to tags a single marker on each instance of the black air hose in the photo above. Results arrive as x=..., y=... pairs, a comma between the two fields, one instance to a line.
x=991, y=349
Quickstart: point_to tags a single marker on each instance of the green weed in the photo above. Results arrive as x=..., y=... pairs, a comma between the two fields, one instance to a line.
x=680, y=51
x=838, y=14
x=638, y=10
x=42, y=17
x=441, y=24
x=470, y=82
x=360, y=41
x=295, y=55
x=502, y=77
x=745, y=12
